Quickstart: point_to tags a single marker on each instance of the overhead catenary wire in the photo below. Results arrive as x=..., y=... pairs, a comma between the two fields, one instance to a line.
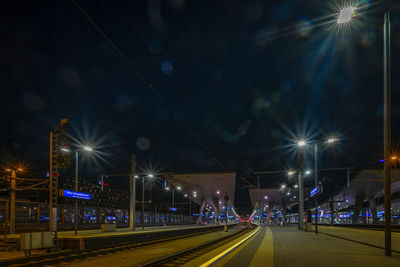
x=146, y=82
x=171, y=79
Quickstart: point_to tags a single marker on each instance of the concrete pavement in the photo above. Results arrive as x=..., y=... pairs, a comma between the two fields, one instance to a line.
x=287, y=246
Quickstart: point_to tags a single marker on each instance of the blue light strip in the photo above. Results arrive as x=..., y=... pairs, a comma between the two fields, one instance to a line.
x=314, y=191
x=73, y=194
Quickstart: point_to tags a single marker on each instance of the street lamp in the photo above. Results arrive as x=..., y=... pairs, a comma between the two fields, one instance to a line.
x=345, y=16
x=86, y=148
x=301, y=145
x=329, y=141
x=150, y=176
x=12, y=197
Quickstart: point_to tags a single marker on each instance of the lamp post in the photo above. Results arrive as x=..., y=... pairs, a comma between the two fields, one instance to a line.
x=345, y=16
x=301, y=144
x=13, y=188
x=150, y=176
x=85, y=148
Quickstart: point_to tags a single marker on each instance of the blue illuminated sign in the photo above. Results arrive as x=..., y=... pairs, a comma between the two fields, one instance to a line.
x=314, y=191
x=173, y=209
x=73, y=194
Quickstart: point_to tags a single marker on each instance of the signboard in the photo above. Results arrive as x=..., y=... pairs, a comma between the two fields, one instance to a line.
x=314, y=191
x=173, y=209
x=73, y=194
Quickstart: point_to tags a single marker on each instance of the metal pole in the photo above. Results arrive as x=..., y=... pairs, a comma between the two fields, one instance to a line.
x=190, y=208
x=76, y=190
x=332, y=211
x=12, y=201
x=316, y=184
x=301, y=201
x=142, y=202
x=226, y=211
x=102, y=183
x=132, y=200
x=348, y=177
x=173, y=198
x=387, y=132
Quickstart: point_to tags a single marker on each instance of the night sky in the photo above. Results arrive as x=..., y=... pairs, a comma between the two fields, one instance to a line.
x=194, y=85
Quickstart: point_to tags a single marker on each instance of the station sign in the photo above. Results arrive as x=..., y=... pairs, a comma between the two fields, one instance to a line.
x=73, y=194
x=314, y=191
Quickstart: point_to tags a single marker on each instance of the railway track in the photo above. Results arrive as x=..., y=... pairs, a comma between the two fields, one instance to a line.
x=190, y=254
x=71, y=255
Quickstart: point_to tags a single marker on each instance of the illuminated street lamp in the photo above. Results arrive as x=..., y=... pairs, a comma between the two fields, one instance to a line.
x=12, y=197
x=345, y=16
x=150, y=176
x=329, y=141
x=301, y=143
x=86, y=148
x=308, y=172
x=290, y=173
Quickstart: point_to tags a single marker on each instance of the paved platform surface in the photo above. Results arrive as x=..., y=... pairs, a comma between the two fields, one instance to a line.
x=287, y=246
x=372, y=237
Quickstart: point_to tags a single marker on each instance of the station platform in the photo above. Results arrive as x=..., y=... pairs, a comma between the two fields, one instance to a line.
x=288, y=246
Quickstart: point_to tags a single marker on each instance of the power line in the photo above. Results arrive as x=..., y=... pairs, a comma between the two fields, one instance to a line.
x=173, y=82
x=146, y=82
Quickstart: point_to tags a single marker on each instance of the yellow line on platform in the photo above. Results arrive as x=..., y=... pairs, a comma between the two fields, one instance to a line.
x=264, y=255
x=222, y=254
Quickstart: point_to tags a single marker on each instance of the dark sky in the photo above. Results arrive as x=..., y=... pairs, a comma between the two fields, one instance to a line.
x=232, y=82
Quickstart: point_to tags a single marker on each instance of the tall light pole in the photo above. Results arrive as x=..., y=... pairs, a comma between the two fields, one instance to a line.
x=150, y=176
x=13, y=188
x=316, y=145
x=85, y=148
x=301, y=144
x=132, y=199
x=387, y=132
x=76, y=190
x=345, y=16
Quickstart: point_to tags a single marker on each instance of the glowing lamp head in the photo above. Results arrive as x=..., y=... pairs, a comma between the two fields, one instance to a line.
x=301, y=143
x=296, y=186
x=290, y=173
x=87, y=148
x=332, y=140
x=150, y=175
x=179, y=188
x=65, y=150
x=308, y=172
x=283, y=186
x=265, y=197
x=346, y=14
